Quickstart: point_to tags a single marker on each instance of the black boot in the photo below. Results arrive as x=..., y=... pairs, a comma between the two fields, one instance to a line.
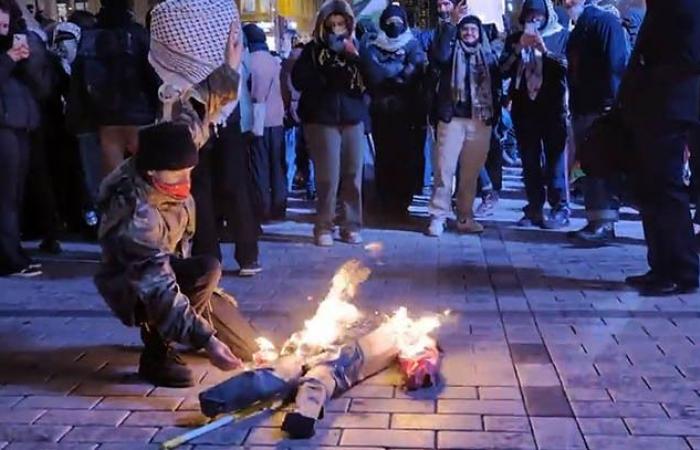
x=160, y=364
x=595, y=233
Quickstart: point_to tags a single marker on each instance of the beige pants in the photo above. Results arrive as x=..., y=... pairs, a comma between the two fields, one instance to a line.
x=462, y=141
x=116, y=142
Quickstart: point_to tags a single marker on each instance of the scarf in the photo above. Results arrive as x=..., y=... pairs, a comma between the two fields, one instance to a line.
x=178, y=191
x=330, y=61
x=393, y=45
x=530, y=70
x=472, y=60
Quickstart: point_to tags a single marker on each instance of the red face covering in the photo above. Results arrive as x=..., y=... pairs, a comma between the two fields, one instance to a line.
x=178, y=191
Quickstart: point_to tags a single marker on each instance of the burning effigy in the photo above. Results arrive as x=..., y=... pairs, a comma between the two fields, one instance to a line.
x=326, y=358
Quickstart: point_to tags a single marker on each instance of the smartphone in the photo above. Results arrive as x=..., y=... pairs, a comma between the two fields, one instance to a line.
x=19, y=40
x=531, y=28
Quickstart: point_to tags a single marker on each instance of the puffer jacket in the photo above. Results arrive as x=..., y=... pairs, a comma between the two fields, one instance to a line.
x=140, y=230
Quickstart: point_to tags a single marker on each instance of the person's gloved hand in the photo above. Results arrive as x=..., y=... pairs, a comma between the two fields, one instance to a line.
x=221, y=356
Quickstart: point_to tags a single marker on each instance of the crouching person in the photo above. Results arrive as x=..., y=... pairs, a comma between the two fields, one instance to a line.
x=147, y=276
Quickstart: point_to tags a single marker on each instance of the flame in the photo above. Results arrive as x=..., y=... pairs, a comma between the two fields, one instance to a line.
x=266, y=353
x=412, y=335
x=333, y=315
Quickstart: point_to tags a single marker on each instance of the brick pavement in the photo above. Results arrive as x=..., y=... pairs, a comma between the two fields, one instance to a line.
x=546, y=348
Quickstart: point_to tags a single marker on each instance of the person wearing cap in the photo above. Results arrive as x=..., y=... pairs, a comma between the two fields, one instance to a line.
x=332, y=107
x=267, y=155
x=468, y=105
x=535, y=62
x=146, y=275
x=394, y=63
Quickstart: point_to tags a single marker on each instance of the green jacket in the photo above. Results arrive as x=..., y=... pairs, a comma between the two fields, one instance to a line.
x=140, y=230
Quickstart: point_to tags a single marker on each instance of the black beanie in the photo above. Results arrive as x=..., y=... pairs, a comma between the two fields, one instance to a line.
x=393, y=10
x=470, y=19
x=539, y=6
x=254, y=34
x=166, y=146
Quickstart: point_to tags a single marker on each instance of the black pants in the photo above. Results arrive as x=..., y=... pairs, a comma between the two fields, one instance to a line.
x=664, y=200
x=41, y=215
x=234, y=191
x=269, y=175
x=206, y=236
x=694, y=146
x=399, y=160
x=538, y=138
x=14, y=154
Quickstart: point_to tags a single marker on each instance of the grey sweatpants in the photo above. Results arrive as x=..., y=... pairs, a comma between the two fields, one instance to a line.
x=336, y=152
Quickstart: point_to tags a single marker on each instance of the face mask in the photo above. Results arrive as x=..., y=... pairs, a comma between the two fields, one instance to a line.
x=394, y=30
x=336, y=42
x=177, y=191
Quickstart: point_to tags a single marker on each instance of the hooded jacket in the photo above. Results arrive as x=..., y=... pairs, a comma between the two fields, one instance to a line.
x=663, y=79
x=441, y=55
x=330, y=95
x=551, y=99
x=264, y=78
x=140, y=230
x=290, y=96
x=597, y=53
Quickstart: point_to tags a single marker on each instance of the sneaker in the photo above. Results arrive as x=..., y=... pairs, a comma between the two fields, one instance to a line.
x=250, y=270
x=51, y=246
x=160, y=364
x=436, y=227
x=324, y=239
x=469, y=226
x=529, y=222
x=557, y=219
x=27, y=272
x=488, y=205
x=91, y=218
x=594, y=233
x=351, y=237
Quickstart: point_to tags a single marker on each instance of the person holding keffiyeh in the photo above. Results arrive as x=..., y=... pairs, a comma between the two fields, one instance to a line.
x=535, y=61
x=332, y=108
x=395, y=65
x=468, y=106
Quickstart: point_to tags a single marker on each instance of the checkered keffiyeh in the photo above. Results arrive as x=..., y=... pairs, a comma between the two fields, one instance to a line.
x=189, y=37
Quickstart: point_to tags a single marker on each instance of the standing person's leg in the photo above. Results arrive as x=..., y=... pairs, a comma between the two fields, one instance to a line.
x=555, y=136
x=450, y=139
x=278, y=181
x=351, y=157
x=324, y=143
x=260, y=170
x=427, y=157
x=113, y=146
x=665, y=208
x=11, y=182
x=494, y=161
x=206, y=236
x=694, y=146
x=383, y=147
x=471, y=159
x=90, y=160
x=304, y=164
x=529, y=134
x=290, y=167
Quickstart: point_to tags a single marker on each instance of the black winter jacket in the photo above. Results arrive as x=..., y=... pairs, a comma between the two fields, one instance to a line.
x=663, y=80
x=597, y=53
x=326, y=97
x=441, y=55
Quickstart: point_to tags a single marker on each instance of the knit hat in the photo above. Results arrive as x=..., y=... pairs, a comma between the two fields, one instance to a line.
x=470, y=20
x=539, y=6
x=254, y=34
x=166, y=146
x=393, y=10
x=189, y=37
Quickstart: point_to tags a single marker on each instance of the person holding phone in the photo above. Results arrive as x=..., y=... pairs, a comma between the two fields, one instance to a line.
x=19, y=115
x=534, y=60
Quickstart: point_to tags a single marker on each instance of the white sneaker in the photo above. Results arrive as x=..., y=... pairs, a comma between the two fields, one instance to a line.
x=324, y=239
x=469, y=226
x=436, y=227
x=27, y=272
x=351, y=237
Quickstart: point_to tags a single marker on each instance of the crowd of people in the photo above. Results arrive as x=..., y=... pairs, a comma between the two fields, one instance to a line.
x=437, y=111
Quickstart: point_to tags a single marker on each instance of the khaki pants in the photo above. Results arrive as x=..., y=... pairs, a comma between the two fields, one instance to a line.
x=116, y=141
x=462, y=141
x=336, y=152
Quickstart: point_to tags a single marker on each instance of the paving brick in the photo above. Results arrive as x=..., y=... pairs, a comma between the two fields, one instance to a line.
x=480, y=439
x=547, y=401
x=694, y=443
x=112, y=389
x=370, y=391
x=507, y=423
x=230, y=435
x=21, y=417
x=495, y=407
x=612, y=426
x=617, y=409
x=499, y=393
x=436, y=422
x=165, y=418
x=583, y=394
x=32, y=433
x=537, y=375
x=110, y=434
x=635, y=443
x=80, y=417
x=11, y=400
x=130, y=446
x=140, y=403
x=556, y=433
x=389, y=438
x=54, y=402
x=682, y=411
x=664, y=427
x=50, y=446
x=440, y=392
x=274, y=436
x=392, y=405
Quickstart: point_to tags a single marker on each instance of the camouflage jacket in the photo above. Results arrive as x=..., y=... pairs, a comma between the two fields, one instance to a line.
x=140, y=230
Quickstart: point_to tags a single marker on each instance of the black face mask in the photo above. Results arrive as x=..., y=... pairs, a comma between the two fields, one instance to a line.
x=394, y=30
x=336, y=42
